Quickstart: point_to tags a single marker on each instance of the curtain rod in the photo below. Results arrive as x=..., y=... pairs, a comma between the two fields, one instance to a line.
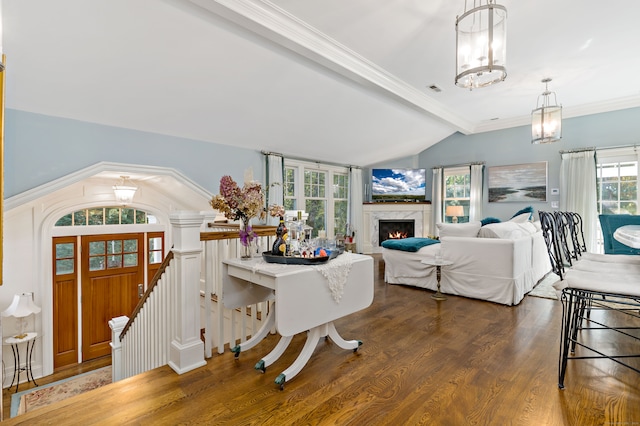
x=348, y=166
x=460, y=165
x=593, y=148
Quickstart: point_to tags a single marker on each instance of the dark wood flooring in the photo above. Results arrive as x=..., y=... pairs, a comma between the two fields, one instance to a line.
x=455, y=362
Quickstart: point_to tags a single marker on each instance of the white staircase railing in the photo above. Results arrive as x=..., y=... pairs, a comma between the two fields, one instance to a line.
x=163, y=329
x=228, y=326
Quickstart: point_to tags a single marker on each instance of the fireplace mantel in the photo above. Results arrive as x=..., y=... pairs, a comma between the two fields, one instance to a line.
x=373, y=212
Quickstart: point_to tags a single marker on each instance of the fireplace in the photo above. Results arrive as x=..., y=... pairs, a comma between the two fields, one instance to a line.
x=395, y=229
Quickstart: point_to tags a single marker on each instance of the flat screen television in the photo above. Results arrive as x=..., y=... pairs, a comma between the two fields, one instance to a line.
x=392, y=185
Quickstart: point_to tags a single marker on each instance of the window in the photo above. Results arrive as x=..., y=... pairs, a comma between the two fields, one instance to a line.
x=109, y=254
x=617, y=186
x=106, y=216
x=457, y=191
x=320, y=190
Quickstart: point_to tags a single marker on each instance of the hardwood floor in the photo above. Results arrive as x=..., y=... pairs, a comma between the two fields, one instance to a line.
x=455, y=362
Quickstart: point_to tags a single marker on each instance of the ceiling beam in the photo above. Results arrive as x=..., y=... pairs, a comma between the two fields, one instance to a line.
x=277, y=25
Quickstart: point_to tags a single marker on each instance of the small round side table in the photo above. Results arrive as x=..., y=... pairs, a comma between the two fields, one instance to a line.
x=30, y=340
x=438, y=263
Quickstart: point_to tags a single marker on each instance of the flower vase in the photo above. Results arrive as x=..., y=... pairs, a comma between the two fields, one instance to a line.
x=246, y=240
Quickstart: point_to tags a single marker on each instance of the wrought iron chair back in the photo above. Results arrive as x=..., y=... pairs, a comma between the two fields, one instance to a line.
x=550, y=235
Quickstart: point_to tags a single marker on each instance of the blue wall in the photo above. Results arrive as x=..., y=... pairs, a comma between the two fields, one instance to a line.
x=40, y=148
x=513, y=146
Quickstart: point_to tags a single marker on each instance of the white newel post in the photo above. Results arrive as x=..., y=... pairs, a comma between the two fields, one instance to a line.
x=187, y=350
x=116, y=324
x=207, y=305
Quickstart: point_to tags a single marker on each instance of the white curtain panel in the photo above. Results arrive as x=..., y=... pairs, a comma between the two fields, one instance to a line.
x=436, y=199
x=355, y=205
x=475, y=204
x=275, y=184
x=578, y=191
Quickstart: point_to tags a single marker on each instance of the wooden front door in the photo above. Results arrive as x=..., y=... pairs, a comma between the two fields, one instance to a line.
x=65, y=302
x=112, y=270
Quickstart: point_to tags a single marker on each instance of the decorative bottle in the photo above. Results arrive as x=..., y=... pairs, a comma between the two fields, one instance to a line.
x=279, y=244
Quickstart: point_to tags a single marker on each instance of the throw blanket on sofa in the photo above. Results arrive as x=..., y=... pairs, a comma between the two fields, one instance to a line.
x=411, y=244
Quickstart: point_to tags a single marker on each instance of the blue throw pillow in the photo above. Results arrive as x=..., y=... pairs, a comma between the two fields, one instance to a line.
x=411, y=244
x=488, y=220
x=528, y=209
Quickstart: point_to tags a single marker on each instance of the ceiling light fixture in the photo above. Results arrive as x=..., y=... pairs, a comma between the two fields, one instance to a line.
x=124, y=191
x=481, y=45
x=546, y=119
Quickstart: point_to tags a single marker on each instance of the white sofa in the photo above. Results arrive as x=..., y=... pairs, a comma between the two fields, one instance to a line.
x=498, y=262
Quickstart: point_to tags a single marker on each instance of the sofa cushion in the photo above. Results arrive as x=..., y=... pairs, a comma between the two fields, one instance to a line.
x=527, y=209
x=488, y=220
x=507, y=230
x=411, y=244
x=522, y=217
x=469, y=229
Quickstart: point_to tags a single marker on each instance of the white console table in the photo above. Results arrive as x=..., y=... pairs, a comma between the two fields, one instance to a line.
x=305, y=300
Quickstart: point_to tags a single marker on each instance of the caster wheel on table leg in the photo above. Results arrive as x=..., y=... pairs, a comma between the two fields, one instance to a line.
x=359, y=344
x=280, y=380
x=236, y=351
x=260, y=366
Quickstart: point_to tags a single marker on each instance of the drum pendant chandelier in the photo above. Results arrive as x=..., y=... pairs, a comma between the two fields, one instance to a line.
x=546, y=119
x=481, y=45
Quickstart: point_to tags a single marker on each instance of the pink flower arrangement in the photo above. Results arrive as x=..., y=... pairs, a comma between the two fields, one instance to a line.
x=240, y=204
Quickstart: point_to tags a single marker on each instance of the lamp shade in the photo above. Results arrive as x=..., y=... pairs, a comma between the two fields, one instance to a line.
x=21, y=306
x=454, y=211
x=481, y=45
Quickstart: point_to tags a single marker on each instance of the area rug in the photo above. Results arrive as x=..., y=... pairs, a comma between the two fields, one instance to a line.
x=32, y=399
x=544, y=288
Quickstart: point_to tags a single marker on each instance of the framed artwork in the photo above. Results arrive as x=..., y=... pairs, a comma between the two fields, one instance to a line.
x=518, y=183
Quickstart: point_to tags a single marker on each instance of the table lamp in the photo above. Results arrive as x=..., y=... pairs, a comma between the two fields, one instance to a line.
x=21, y=307
x=454, y=211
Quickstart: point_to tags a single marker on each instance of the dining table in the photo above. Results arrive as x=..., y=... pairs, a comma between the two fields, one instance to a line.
x=628, y=235
x=307, y=299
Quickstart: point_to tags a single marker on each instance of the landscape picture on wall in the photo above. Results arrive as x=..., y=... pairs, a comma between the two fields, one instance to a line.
x=519, y=182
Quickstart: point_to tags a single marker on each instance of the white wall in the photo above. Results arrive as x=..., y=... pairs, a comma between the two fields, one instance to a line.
x=29, y=228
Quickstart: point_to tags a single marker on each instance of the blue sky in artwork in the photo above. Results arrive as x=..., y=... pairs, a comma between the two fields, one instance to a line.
x=398, y=181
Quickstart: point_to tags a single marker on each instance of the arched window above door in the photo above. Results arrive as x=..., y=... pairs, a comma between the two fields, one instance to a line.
x=107, y=216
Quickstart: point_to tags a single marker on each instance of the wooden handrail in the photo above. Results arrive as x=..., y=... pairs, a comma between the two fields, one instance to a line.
x=154, y=282
x=232, y=231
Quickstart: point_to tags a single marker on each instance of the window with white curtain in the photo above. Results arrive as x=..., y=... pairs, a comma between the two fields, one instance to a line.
x=457, y=192
x=320, y=190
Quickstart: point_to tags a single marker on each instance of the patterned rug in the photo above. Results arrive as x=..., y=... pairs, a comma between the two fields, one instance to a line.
x=32, y=399
x=545, y=288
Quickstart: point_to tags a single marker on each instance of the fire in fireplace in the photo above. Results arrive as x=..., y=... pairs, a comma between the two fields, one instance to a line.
x=395, y=229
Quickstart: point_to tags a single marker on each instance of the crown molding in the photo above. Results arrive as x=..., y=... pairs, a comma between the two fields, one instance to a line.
x=567, y=112
x=277, y=25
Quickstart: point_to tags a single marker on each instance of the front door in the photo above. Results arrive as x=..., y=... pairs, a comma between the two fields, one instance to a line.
x=112, y=271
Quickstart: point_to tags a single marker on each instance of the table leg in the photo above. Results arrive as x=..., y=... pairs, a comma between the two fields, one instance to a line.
x=257, y=338
x=29, y=356
x=313, y=335
x=276, y=353
x=338, y=340
x=16, y=367
x=438, y=295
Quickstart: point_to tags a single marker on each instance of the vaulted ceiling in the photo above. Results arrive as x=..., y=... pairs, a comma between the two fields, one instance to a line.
x=331, y=80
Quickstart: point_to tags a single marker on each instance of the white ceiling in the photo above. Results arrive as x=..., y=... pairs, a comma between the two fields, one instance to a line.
x=332, y=80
